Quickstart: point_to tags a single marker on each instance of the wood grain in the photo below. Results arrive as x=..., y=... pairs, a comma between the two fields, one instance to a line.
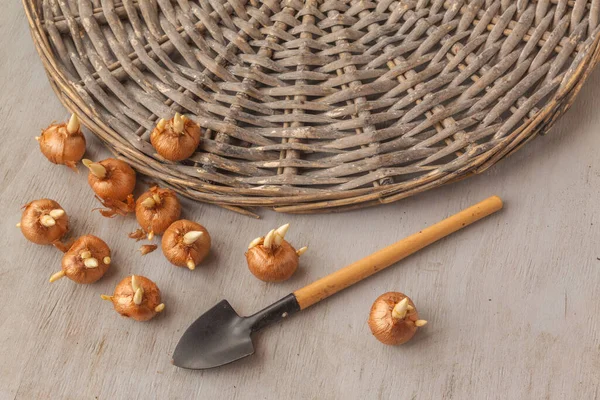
x=512, y=302
x=389, y=255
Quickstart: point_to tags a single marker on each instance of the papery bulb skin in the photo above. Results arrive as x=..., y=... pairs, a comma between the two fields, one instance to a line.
x=157, y=209
x=63, y=144
x=113, y=181
x=271, y=258
x=394, y=319
x=273, y=265
x=44, y=222
x=186, y=243
x=136, y=297
x=86, y=261
x=176, y=139
x=117, y=183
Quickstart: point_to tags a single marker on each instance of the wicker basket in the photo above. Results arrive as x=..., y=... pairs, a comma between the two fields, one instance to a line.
x=317, y=105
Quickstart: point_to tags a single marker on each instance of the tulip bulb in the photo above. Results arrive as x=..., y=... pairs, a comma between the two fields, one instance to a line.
x=271, y=258
x=113, y=182
x=63, y=143
x=394, y=319
x=86, y=261
x=156, y=210
x=176, y=139
x=186, y=243
x=44, y=222
x=136, y=297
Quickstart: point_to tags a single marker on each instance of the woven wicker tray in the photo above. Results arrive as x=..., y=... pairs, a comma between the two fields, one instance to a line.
x=317, y=106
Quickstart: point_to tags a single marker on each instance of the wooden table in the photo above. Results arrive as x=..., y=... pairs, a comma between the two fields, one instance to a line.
x=512, y=301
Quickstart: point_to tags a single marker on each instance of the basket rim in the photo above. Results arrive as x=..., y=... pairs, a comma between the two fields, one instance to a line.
x=238, y=199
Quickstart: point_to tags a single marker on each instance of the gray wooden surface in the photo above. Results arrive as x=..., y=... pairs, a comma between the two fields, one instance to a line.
x=512, y=301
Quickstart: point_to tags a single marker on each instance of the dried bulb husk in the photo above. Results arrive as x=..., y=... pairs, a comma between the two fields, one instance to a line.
x=38, y=226
x=125, y=300
x=147, y=248
x=272, y=264
x=157, y=209
x=178, y=252
x=86, y=261
x=113, y=181
x=64, y=143
x=271, y=258
x=138, y=235
x=391, y=323
x=176, y=139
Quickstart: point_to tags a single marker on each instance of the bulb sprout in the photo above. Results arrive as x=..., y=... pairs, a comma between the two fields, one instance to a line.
x=57, y=213
x=178, y=123
x=191, y=237
x=280, y=234
x=73, y=125
x=90, y=262
x=160, y=307
x=96, y=169
x=282, y=230
x=137, y=297
x=277, y=240
x=256, y=242
x=269, y=239
x=106, y=260
x=47, y=221
x=57, y=276
x=400, y=309
x=420, y=322
x=18, y=225
x=191, y=265
x=149, y=202
x=161, y=125
x=134, y=283
x=86, y=254
x=301, y=251
x=106, y=297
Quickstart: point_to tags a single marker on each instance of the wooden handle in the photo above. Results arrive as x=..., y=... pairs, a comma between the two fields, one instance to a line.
x=355, y=272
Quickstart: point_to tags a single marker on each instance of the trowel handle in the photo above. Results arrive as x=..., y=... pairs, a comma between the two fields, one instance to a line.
x=359, y=270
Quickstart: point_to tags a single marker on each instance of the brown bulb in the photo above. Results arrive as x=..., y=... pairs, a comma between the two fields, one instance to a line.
x=63, y=143
x=176, y=139
x=113, y=181
x=86, y=261
x=156, y=210
x=136, y=297
x=394, y=319
x=272, y=258
x=186, y=243
x=44, y=222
